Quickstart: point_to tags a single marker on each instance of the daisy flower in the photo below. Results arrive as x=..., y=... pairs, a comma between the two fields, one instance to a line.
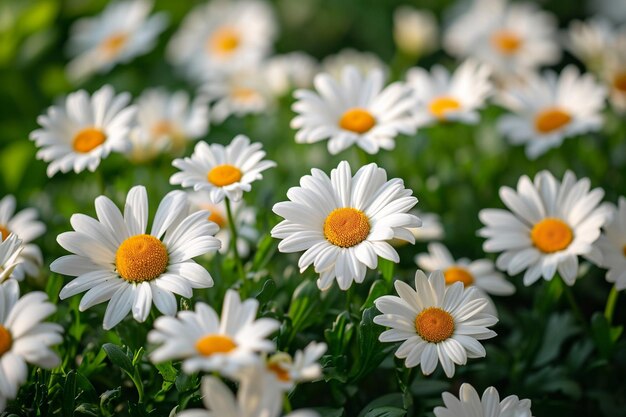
x=304, y=366
x=344, y=223
x=435, y=323
x=83, y=130
x=511, y=37
x=122, y=32
x=550, y=108
x=222, y=35
x=614, y=73
x=550, y=223
x=356, y=110
x=24, y=337
x=589, y=41
x=286, y=72
x=611, y=246
x=364, y=62
x=469, y=403
x=442, y=97
x=115, y=260
x=207, y=342
x=415, y=31
x=25, y=225
x=166, y=122
x=10, y=248
x=224, y=171
x=245, y=219
x=431, y=228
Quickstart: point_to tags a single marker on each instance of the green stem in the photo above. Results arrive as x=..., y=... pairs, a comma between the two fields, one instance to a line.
x=233, y=241
x=286, y=404
x=573, y=304
x=611, y=301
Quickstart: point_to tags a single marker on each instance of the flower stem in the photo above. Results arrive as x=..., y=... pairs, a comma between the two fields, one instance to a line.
x=233, y=241
x=611, y=301
x=286, y=404
x=573, y=304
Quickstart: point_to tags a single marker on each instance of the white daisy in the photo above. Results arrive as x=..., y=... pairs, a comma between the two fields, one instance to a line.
x=244, y=216
x=166, y=122
x=431, y=228
x=122, y=32
x=222, y=35
x=27, y=228
x=611, y=246
x=343, y=223
x=550, y=108
x=10, y=248
x=364, y=62
x=415, y=31
x=614, y=73
x=115, y=259
x=286, y=72
x=512, y=37
x=356, y=110
x=590, y=41
x=550, y=223
x=435, y=323
x=207, y=342
x=469, y=403
x=24, y=337
x=444, y=97
x=224, y=171
x=303, y=366
x=82, y=130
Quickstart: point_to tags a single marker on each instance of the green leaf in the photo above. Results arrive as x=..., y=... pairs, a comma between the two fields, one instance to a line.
x=371, y=351
x=303, y=304
x=265, y=251
x=69, y=394
x=119, y=357
x=329, y=412
x=386, y=412
x=378, y=289
x=389, y=403
x=267, y=292
x=386, y=268
x=560, y=327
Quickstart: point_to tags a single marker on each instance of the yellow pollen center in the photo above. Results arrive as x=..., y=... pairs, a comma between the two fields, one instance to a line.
x=551, y=119
x=215, y=343
x=357, y=120
x=215, y=216
x=162, y=128
x=441, y=105
x=281, y=374
x=457, y=274
x=619, y=81
x=243, y=94
x=88, y=139
x=551, y=235
x=223, y=175
x=4, y=233
x=346, y=227
x=434, y=325
x=114, y=43
x=506, y=42
x=141, y=258
x=5, y=340
x=224, y=41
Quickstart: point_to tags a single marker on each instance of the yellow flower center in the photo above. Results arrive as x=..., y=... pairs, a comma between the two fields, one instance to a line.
x=223, y=175
x=112, y=45
x=441, y=105
x=215, y=343
x=215, y=216
x=88, y=139
x=141, y=258
x=434, y=325
x=506, y=41
x=5, y=340
x=619, y=81
x=162, y=128
x=281, y=374
x=551, y=119
x=551, y=235
x=4, y=232
x=458, y=274
x=357, y=120
x=346, y=227
x=224, y=41
x=243, y=94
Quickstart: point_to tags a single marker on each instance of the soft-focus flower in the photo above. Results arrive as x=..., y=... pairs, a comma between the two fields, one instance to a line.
x=591, y=41
x=302, y=367
x=25, y=225
x=284, y=73
x=364, y=62
x=442, y=96
x=166, y=122
x=24, y=337
x=611, y=246
x=223, y=35
x=122, y=32
x=358, y=110
x=614, y=73
x=115, y=260
x=550, y=223
x=469, y=403
x=206, y=342
x=415, y=31
x=431, y=228
x=435, y=323
x=344, y=223
x=10, y=248
x=550, y=108
x=83, y=130
x=224, y=171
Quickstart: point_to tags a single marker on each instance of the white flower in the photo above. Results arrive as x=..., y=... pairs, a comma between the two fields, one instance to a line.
x=435, y=323
x=223, y=35
x=356, y=110
x=82, y=130
x=207, y=342
x=431, y=228
x=551, y=108
x=245, y=219
x=286, y=72
x=303, y=366
x=344, y=223
x=24, y=337
x=166, y=122
x=115, y=259
x=224, y=171
x=591, y=41
x=444, y=97
x=122, y=32
x=415, y=31
x=25, y=225
x=512, y=37
x=364, y=62
x=549, y=224
x=611, y=246
x=10, y=248
x=469, y=403
x=614, y=73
